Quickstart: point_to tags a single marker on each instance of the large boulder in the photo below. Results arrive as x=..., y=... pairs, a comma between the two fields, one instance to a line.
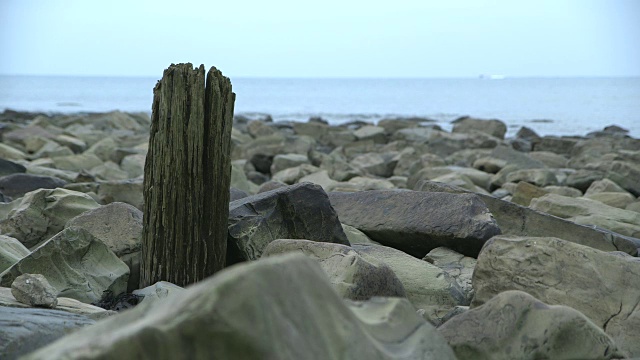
x=17, y=185
x=42, y=213
x=515, y=325
x=603, y=286
x=77, y=264
x=25, y=330
x=514, y=219
x=417, y=222
x=589, y=212
x=300, y=211
x=352, y=276
x=11, y=251
x=430, y=289
x=229, y=314
x=119, y=226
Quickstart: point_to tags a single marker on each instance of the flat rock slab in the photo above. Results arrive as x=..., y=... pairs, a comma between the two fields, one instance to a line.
x=514, y=219
x=77, y=264
x=515, y=325
x=16, y=185
x=417, y=222
x=300, y=211
x=603, y=286
x=64, y=304
x=23, y=330
x=280, y=307
x=352, y=276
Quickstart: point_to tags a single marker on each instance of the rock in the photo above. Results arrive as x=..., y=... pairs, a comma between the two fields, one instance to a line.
x=624, y=173
x=515, y=325
x=518, y=220
x=338, y=168
x=292, y=175
x=279, y=295
x=64, y=304
x=108, y=171
x=367, y=183
x=320, y=178
x=42, y=213
x=239, y=180
x=589, y=212
x=235, y=194
x=550, y=159
x=375, y=164
x=34, y=290
x=133, y=165
x=524, y=192
x=467, y=124
x=17, y=185
x=582, y=179
x=604, y=185
x=9, y=153
x=9, y=167
x=417, y=222
x=78, y=162
x=25, y=330
x=428, y=288
x=119, y=226
x=391, y=125
x=126, y=191
x=635, y=206
x=538, y=177
x=352, y=276
x=558, y=272
x=489, y=164
x=159, y=290
x=68, y=176
x=356, y=236
x=76, y=145
x=563, y=190
x=268, y=186
x=11, y=251
x=77, y=264
x=458, y=266
x=556, y=145
x=104, y=149
x=300, y=211
x=286, y=161
x=257, y=128
x=370, y=132
x=618, y=200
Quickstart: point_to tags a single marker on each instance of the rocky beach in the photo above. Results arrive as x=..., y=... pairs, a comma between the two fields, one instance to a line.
x=387, y=240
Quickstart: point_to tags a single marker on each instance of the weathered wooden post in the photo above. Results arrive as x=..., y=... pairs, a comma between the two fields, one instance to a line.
x=186, y=176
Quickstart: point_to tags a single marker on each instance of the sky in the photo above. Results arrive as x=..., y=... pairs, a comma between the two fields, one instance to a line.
x=329, y=38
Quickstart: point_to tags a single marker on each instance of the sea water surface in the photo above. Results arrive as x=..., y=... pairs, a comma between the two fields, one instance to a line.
x=550, y=106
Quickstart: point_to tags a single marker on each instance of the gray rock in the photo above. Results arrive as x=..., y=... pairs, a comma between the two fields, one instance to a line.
x=239, y=180
x=77, y=162
x=558, y=272
x=618, y=200
x=352, y=276
x=286, y=161
x=17, y=185
x=64, y=304
x=514, y=219
x=77, y=264
x=550, y=159
x=582, y=179
x=119, y=226
x=133, y=165
x=539, y=177
x=604, y=185
x=430, y=289
x=417, y=222
x=524, y=192
x=42, y=213
x=320, y=178
x=157, y=291
x=515, y=325
x=9, y=167
x=589, y=212
x=300, y=211
x=458, y=266
x=235, y=194
x=294, y=174
x=369, y=132
x=109, y=171
x=25, y=330
x=356, y=236
x=126, y=191
x=375, y=164
x=229, y=314
x=467, y=124
x=556, y=145
x=34, y=290
x=563, y=190
x=11, y=251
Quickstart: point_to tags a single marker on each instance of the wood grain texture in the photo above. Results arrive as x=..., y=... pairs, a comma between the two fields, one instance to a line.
x=187, y=176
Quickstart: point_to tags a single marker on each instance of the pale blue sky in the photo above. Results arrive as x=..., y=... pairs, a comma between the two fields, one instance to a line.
x=329, y=38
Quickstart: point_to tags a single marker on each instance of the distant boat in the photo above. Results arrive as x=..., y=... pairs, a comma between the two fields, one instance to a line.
x=492, y=77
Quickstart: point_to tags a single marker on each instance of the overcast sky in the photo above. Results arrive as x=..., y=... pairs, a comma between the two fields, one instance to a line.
x=328, y=38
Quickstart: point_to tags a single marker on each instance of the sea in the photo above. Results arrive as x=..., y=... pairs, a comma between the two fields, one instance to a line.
x=549, y=106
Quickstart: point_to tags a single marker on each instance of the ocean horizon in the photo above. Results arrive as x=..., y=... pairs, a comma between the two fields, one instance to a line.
x=548, y=105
